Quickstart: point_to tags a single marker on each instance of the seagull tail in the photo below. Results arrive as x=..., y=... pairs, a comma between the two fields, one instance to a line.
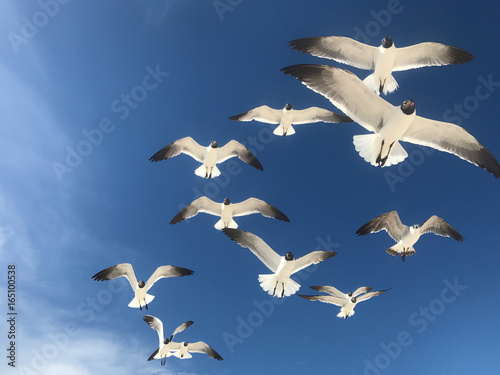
x=386, y=87
x=399, y=250
x=220, y=225
x=135, y=302
x=280, y=130
x=206, y=172
x=396, y=155
x=368, y=146
x=276, y=288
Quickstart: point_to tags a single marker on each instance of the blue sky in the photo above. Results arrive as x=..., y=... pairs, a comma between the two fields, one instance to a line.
x=145, y=73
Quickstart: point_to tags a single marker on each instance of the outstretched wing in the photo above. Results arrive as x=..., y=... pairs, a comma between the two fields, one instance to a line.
x=341, y=49
x=370, y=295
x=337, y=301
x=181, y=328
x=123, y=269
x=440, y=227
x=263, y=114
x=186, y=146
x=256, y=245
x=254, y=205
x=202, y=204
x=157, y=325
x=235, y=148
x=329, y=289
x=167, y=271
x=201, y=347
x=448, y=137
x=390, y=222
x=363, y=289
x=316, y=114
x=313, y=257
x=429, y=54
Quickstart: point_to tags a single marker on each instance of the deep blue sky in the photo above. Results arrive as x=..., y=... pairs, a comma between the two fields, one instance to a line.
x=72, y=74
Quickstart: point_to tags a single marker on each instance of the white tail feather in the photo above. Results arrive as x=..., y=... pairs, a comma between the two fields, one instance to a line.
x=220, y=225
x=368, y=147
x=275, y=288
x=374, y=84
x=280, y=130
x=203, y=172
x=397, y=154
x=135, y=302
x=390, y=85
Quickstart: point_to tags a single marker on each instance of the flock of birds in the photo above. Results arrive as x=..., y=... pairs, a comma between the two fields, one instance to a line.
x=361, y=102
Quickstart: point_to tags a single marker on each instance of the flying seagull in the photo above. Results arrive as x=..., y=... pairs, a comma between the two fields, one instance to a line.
x=183, y=349
x=287, y=116
x=140, y=288
x=389, y=123
x=228, y=210
x=347, y=302
x=383, y=59
x=164, y=347
x=406, y=236
x=279, y=283
x=209, y=156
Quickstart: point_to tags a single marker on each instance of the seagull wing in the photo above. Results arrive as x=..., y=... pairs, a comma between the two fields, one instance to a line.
x=338, y=48
x=235, y=148
x=186, y=146
x=370, y=295
x=314, y=257
x=256, y=245
x=263, y=114
x=337, y=301
x=181, y=328
x=202, y=204
x=363, y=289
x=123, y=269
x=316, y=114
x=330, y=290
x=346, y=91
x=447, y=137
x=167, y=271
x=429, y=54
x=440, y=227
x=390, y=222
x=254, y=205
x=201, y=347
x=157, y=325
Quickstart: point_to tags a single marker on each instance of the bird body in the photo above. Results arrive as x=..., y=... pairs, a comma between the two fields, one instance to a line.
x=183, y=350
x=279, y=284
x=381, y=80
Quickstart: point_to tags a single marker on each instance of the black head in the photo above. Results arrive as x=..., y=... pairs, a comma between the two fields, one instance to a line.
x=349, y=294
x=353, y=299
x=185, y=343
x=213, y=144
x=408, y=107
x=288, y=106
x=227, y=201
x=288, y=256
x=387, y=42
x=141, y=284
x=166, y=341
x=416, y=226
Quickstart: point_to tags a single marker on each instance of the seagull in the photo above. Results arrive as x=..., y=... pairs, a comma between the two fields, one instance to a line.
x=164, y=347
x=389, y=123
x=182, y=350
x=383, y=59
x=347, y=302
x=288, y=116
x=140, y=288
x=406, y=236
x=278, y=284
x=228, y=210
x=209, y=156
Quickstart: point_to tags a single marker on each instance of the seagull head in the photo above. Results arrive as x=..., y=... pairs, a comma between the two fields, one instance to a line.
x=387, y=42
x=353, y=300
x=288, y=256
x=141, y=284
x=227, y=201
x=185, y=344
x=166, y=341
x=349, y=294
x=288, y=106
x=408, y=107
x=213, y=144
x=416, y=226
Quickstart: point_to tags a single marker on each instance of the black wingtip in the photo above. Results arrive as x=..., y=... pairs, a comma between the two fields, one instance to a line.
x=237, y=117
x=184, y=271
x=304, y=45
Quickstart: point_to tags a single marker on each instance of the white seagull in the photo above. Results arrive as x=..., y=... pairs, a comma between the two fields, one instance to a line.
x=228, y=210
x=389, y=123
x=383, y=60
x=406, y=236
x=164, y=347
x=182, y=350
x=278, y=284
x=209, y=156
x=287, y=116
x=140, y=288
x=347, y=302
